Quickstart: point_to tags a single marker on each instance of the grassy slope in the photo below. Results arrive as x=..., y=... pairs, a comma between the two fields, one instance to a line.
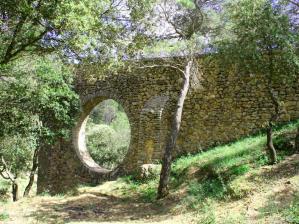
x=228, y=184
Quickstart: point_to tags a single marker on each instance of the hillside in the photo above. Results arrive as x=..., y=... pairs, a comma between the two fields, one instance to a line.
x=227, y=184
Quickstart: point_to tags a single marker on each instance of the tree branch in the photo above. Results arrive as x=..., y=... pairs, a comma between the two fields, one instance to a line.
x=24, y=46
x=9, y=49
x=5, y=168
x=294, y=3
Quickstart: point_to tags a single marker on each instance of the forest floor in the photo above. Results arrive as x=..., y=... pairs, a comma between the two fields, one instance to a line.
x=228, y=184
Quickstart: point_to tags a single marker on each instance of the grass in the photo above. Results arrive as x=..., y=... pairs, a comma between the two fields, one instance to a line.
x=227, y=184
x=5, y=188
x=219, y=173
x=146, y=190
x=292, y=212
x=4, y=216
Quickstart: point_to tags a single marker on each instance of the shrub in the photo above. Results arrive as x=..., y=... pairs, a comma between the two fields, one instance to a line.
x=4, y=216
x=104, y=147
x=108, y=142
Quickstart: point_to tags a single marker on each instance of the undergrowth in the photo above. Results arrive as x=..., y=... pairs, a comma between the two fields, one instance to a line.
x=219, y=173
x=4, y=216
x=292, y=212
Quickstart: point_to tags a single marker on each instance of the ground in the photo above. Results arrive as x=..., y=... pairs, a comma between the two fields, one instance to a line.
x=104, y=204
x=228, y=184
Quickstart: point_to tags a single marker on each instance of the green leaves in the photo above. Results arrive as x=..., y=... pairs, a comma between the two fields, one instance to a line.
x=261, y=40
x=17, y=152
x=88, y=29
x=38, y=105
x=108, y=134
x=37, y=100
x=187, y=3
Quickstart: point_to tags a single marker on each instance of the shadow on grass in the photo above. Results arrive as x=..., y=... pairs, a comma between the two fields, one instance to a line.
x=225, y=169
x=209, y=170
x=282, y=204
x=98, y=207
x=285, y=169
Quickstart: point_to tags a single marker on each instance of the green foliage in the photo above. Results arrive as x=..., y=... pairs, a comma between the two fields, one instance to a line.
x=38, y=95
x=17, y=152
x=87, y=27
x=217, y=174
x=208, y=215
x=240, y=170
x=292, y=213
x=208, y=188
x=103, y=146
x=261, y=41
x=220, y=171
x=38, y=106
x=193, y=25
x=146, y=189
x=187, y=3
x=4, y=216
x=149, y=194
x=108, y=134
x=222, y=157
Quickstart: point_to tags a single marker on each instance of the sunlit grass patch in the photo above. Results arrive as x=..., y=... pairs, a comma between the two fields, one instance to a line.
x=223, y=173
x=4, y=216
x=291, y=213
x=217, y=174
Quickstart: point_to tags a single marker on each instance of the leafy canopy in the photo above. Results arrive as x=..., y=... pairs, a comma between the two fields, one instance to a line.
x=80, y=29
x=261, y=40
x=37, y=91
x=38, y=105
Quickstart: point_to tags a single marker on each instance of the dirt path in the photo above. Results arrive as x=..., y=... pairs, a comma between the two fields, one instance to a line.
x=274, y=188
x=90, y=207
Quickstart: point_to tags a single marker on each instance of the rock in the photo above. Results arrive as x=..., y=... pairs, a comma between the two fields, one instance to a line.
x=147, y=171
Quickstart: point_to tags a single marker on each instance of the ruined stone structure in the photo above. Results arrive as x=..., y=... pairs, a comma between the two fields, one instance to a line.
x=219, y=108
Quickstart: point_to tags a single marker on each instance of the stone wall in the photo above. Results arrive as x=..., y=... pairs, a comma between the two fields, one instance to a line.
x=225, y=107
x=219, y=108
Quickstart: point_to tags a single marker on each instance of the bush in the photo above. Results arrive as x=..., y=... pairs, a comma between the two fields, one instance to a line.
x=104, y=147
x=285, y=143
x=108, y=142
x=4, y=216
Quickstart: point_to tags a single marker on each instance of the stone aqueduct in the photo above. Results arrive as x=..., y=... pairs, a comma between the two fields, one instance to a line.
x=220, y=107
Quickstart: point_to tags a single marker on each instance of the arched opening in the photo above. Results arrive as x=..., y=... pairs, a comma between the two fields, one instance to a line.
x=102, y=135
x=107, y=134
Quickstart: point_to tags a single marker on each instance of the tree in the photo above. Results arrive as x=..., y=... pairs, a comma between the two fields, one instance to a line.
x=175, y=128
x=39, y=104
x=15, y=154
x=80, y=29
x=262, y=42
x=88, y=30
x=108, y=134
x=187, y=24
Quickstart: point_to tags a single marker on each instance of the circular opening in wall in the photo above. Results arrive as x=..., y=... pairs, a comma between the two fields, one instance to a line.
x=107, y=134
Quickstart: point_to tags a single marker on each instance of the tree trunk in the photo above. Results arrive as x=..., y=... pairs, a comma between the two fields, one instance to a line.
x=175, y=127
x=270, y=146
x=274, y=117
x=32, y=172
x=15, y=191
x=297, y=141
